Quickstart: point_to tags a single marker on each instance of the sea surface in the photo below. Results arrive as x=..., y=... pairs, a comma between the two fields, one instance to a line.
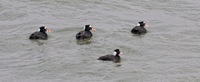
x=169, y=52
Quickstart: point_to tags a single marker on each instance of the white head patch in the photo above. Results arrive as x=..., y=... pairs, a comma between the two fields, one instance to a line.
x=114, y=53
x=84, y=28
x=138, y=24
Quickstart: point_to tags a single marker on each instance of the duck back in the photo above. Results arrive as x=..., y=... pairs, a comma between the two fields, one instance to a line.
x=110, y=58
x=84, y=35
x=107, y=58
x=139, y=30
x=38, y=35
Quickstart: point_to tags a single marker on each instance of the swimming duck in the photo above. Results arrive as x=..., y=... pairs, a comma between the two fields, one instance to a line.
x=86, y=33
x=140, y=28
x=115, y=57
x=40, y=34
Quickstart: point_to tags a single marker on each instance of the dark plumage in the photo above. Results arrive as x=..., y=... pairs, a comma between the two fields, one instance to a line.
x=85, y=34
x=140, y=29
x=115, y=57
x=41, y=34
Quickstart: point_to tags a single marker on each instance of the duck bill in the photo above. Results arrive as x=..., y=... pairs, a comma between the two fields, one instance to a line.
x=121, y=53
x=146, y=25
x=48, y=30
x=93, y=29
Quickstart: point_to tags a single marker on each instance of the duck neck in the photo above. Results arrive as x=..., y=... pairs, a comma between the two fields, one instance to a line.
x=42, y=31
x=87, y=30
x=142, y=26
x=117, y=55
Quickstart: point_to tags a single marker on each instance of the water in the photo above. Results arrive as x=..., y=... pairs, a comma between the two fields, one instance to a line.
x=169, y=52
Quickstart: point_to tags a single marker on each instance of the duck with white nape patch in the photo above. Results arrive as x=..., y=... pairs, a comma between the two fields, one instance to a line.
x=86, y=33
x=140, y=28
x=40, y=34
x=115, y=57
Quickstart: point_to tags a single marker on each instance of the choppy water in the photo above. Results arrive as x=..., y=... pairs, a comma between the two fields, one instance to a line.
x=169, y=52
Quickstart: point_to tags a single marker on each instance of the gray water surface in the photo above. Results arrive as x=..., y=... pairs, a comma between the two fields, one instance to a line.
x=169, y=52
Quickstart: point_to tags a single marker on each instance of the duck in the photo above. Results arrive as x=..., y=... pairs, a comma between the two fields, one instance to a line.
x=115, y=57
x=86, y=33
x=40, y=34
x=140, y=28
